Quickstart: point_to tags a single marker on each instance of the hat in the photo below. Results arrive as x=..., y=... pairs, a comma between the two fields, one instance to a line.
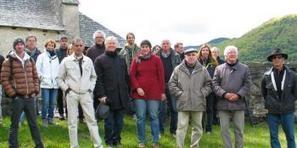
x=276, y=51
x=16, y=41
x=63, y=37
x=190, y=50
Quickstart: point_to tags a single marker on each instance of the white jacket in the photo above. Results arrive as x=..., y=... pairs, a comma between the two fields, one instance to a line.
x=70, y=76
x=48, y=69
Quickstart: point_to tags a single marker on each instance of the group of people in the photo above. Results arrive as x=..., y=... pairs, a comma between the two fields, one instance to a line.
x=188, y=85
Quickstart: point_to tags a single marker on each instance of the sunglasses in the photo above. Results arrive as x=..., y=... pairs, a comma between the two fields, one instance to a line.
x=277, y=57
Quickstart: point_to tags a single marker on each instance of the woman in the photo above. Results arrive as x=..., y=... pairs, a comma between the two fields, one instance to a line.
x=47, y=65
x=206, y=59
x=147, y=84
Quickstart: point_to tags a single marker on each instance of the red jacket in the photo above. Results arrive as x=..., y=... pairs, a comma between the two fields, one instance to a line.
x=148, y=75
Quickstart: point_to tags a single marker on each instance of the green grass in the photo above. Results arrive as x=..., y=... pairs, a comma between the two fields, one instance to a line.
x=56, y=136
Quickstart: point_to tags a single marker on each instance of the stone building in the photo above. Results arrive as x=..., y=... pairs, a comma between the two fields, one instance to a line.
x=47, y=20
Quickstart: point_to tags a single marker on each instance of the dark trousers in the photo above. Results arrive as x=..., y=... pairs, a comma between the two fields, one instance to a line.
x=171, y=105
x=61, y=103
x=20, y=104
x=210, y=113
x=113, y=126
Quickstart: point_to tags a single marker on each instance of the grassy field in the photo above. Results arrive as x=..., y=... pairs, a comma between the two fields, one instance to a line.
x=56, y=136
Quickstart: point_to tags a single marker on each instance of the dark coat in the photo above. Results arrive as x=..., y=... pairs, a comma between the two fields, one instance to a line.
x=61, y=53
x=286, y=103
x=112, y=80
x=33, y=55
x=95, y=51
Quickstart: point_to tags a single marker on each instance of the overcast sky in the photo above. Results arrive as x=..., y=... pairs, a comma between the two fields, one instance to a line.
x=191, y=21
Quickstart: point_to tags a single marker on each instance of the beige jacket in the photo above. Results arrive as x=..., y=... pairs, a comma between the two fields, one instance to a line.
x=70, y=77
x=190, y=90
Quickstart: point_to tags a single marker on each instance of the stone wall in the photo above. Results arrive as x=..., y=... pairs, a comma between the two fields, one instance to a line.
x=9, y=34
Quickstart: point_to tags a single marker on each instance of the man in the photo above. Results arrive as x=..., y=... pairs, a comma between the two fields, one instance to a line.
x=128, y=53
x=190, y=83
x=179, y=48
x=112, y=89
x=62, y=53
x=33, y=52
x=31, y=47
x=170, y=60
x=130, y=49
x=280, y=92
x=77, y=79
x=231, y=82
x=20, y=82
x=99, y=47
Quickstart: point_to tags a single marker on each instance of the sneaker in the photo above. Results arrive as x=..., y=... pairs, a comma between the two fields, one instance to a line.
x=155, y=145
x=141, y=145
x=44, y=122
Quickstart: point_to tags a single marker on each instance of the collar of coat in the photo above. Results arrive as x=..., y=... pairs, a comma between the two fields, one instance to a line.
x=183, y=67
x=270, y=73
x=73, y=58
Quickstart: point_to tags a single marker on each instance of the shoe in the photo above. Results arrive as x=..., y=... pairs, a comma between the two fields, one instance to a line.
x=62, y=117
x=173, y=135
x=44, y=122
x=208, y=132
x=51, y=121
x=141, y=145
x=155, y=145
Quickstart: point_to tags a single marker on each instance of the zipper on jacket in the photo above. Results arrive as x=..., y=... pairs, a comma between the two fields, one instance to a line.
x=26, y=76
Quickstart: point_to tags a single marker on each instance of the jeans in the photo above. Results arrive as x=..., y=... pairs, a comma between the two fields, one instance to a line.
x=152, y=106
x=27, y=105
x=49, y=97
x=171, y=104
x=113, y=127
x=287, y=122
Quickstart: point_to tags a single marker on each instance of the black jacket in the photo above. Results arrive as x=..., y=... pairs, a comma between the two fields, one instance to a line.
x=112, y=80
x=273, y=102
x=95, y=51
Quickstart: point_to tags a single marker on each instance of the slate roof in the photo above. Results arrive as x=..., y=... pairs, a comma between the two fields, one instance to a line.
x=89, y=26
x=38, y=14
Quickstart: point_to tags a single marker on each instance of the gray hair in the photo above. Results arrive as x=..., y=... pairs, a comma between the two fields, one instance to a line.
x=111, y=38
x=230, y=48
x=98, y=32
x=77, y=40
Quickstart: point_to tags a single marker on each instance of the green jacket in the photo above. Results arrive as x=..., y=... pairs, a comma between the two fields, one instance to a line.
x=124, y=53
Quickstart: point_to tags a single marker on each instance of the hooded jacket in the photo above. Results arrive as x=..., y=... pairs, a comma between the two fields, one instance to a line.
x=21, y=77
x=48, y=69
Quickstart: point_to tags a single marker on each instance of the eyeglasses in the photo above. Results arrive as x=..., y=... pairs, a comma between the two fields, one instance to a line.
x=277, y=57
